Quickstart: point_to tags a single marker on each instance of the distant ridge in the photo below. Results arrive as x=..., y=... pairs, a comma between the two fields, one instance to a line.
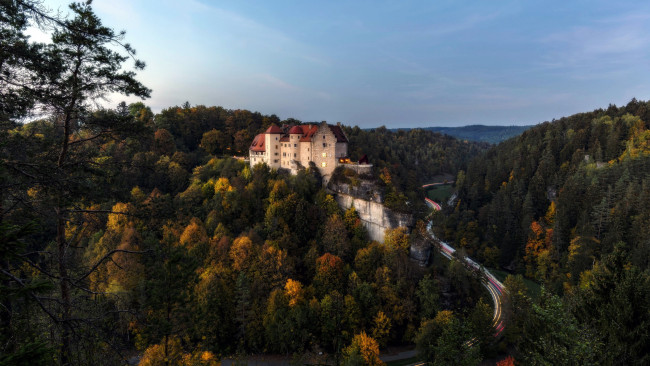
x=480, y=133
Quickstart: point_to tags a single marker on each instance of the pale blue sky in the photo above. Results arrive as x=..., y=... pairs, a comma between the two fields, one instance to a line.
x=393, y=63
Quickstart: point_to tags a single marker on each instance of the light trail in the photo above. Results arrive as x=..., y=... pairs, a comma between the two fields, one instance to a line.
x=491, y=283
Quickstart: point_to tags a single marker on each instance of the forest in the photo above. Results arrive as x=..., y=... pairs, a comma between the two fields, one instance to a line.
x=133, y=237
x=491, y=134
x=566, y=204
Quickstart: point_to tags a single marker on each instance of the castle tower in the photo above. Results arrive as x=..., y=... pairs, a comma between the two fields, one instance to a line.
x=295, y=133
x=272, y=142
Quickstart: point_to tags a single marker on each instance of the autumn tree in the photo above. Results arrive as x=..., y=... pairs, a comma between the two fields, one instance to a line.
x=363, y=350
x=214, y=142
x=329, y=273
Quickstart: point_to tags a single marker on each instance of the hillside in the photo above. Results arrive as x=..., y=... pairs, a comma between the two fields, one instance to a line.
x=567, y=204
x=199, y=253
x=478, y=133
x=481, y=133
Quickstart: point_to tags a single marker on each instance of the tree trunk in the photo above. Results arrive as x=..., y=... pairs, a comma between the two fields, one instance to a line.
x=64, y=288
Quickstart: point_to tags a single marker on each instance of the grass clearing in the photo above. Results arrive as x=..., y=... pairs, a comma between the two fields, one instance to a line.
x=440, y=193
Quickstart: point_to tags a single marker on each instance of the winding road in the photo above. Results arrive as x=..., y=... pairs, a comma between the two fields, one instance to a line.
x=491, y=283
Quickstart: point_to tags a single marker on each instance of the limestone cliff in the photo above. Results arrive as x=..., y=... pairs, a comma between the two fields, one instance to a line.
x=375, y=217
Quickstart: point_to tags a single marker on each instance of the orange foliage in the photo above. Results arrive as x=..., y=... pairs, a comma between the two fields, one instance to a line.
x=329, y=272
x=155, y=356
x=508, y=361
x=329, y=262
x=240, y=252
x=537, y=247
x=125, y=270
x=194, y=234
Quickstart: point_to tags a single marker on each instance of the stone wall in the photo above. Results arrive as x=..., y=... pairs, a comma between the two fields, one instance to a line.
x=375, y=217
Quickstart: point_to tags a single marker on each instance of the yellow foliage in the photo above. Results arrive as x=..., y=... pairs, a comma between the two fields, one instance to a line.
x=367, y=347
x=381, y=328
x=639, y=142
x=32, y=192
x=397, y=239
x=194, y=234
x=240, y=252
x=586, y=279
x=550, y=214
x=155, y=356
x=223, y=185
x=117, y=221
x=443, y=318
x=293, y=290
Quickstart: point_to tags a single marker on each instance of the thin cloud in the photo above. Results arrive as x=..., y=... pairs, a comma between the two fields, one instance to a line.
x=618, y=40
x=250, y=33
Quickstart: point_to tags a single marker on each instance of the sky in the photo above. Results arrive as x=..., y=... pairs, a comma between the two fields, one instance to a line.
x=392, y=63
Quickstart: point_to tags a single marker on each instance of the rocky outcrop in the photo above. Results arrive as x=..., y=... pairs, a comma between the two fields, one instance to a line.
x=420, y=251
x=375, y=217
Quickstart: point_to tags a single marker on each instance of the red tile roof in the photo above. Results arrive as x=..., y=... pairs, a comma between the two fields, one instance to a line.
x=307, y=132
x=273, y=129
x=258, y=143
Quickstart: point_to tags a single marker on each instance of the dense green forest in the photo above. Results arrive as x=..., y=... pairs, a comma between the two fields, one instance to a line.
x=567, y=204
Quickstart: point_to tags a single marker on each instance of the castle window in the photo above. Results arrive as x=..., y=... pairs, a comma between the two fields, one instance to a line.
x=294, y=155
x=323, y=164
x=324, y=155
x=324, y=144
x=295, y=145
x=276, y=146
x=323, y=137
x=276, y=154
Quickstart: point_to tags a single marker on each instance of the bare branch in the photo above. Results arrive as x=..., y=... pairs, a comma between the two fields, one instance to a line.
x=108, y=255
x=38, y=301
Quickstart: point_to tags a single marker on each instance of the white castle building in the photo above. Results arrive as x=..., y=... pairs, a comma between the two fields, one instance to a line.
x=294, y=147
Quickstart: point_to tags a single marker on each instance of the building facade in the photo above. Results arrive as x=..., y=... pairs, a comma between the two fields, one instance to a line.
x=294, y=147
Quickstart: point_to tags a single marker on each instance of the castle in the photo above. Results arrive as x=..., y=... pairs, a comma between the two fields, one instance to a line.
x=293, y=148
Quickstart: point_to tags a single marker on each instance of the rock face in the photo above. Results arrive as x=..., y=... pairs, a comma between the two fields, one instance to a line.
x=375, y=217
x=420, y=251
